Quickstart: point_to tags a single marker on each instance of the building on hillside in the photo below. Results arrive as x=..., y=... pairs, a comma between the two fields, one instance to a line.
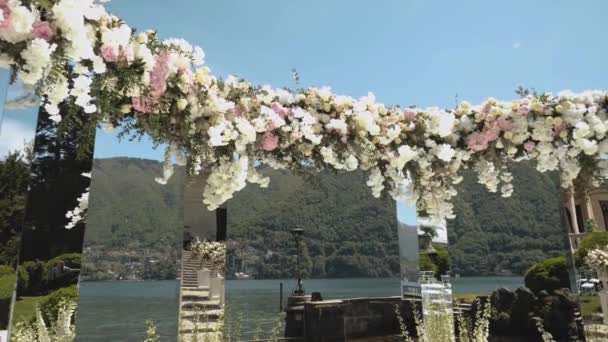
x=583, y=211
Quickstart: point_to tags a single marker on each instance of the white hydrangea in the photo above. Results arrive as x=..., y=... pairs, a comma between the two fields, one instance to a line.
x=445, y=152
x=37, y=56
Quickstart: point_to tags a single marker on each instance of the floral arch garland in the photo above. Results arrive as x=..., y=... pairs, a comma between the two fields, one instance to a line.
x=76, y=56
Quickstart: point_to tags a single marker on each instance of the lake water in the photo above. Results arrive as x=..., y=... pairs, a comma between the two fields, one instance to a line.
x=117, y=311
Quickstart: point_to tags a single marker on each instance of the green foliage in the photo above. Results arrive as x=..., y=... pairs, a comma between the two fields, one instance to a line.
x=14, y=178
x=71, y=260
x=493, y=235
x=6, y=270
x=35, y=280
x=50, y=306
x=549, y=275
x=591, y=241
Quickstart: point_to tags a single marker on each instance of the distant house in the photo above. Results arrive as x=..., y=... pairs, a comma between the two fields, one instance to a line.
x=583, y=211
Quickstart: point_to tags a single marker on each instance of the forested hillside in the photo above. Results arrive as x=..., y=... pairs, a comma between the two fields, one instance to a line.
x=495, y=235
x=348, y=233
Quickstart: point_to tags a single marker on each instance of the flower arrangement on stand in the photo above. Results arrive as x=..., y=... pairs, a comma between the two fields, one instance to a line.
x=211, y=251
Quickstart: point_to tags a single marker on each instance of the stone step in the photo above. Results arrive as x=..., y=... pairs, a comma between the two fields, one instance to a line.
x=187, y=326
x=211, y=304
x=203, y=316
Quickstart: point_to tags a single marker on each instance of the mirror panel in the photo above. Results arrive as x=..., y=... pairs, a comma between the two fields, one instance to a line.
x=17, y=130
x=510, y=259
x=132, y=243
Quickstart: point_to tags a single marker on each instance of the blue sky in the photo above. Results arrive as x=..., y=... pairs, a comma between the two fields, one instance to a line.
x=407, y=52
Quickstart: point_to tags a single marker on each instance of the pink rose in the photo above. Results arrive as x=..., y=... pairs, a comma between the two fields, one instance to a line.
x=505, y=124
x=410, y=114
x=492, y=133
x=159, y=75
x=477, y=142
x=109, y=53
x=280, y=110
x=529, y=146
x=270, y=141
x=43, y=30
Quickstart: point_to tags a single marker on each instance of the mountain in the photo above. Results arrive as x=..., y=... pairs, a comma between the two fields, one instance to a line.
x=495, y=235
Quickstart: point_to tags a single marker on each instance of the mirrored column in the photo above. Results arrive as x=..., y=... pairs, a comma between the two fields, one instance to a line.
x=510, y=260
x=585, y=214
x=132, y=244
x=17, y=129
x=203, y=267
x=50, y=250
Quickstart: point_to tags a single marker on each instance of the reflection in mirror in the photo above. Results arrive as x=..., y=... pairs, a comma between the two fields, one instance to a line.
x=328, y=231
x=49, y=256
x=585, y=213
x=17, y=129
x=509, y=260
x=203, y=266
x=132, y=243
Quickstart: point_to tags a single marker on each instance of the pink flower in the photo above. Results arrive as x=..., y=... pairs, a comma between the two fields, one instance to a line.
x=529, y=146
x=7, y=22
x=43, y=30
x=159, y=75
x=492, y=133
x=410, y=114
x=505, y=124
x=524, y=107
x=126, y=54
x=270, y=141
x=143, y=104
x=477, y=142
x=280, y=110
x=109, y=53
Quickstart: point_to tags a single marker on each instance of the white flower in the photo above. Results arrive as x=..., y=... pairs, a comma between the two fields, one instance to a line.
x=337, y=125
x=198, y=56
x=182, y=103
x=81, y=91
x=117, y=36
x=445, y=152
x=366, y=122
x=441, y=123
x=406, y=154
x=37, y=56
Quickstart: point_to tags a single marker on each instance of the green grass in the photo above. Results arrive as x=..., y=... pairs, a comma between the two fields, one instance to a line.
x=25, y=307
x=590, y=305
x=466, y=297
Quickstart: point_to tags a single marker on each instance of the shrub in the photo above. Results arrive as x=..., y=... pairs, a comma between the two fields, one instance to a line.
x=590, y=241
x=23, y=280
x=50, y=306
x=37, y=277
x=6, y=270
x=550, y=274
x=71, y=260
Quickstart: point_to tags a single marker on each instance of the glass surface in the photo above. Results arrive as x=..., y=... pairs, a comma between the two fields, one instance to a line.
x=132, y=243
x=17, y=129
x=509, y=258
x=348, y=247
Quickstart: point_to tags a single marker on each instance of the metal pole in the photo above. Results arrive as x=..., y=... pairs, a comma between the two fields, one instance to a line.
x=281, y=297
x=298, y=251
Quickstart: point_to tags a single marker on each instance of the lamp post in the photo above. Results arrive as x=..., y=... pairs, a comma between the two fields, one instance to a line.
x=297, y=234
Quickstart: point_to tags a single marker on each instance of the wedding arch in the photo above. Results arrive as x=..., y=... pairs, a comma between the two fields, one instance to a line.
x=77, y=57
